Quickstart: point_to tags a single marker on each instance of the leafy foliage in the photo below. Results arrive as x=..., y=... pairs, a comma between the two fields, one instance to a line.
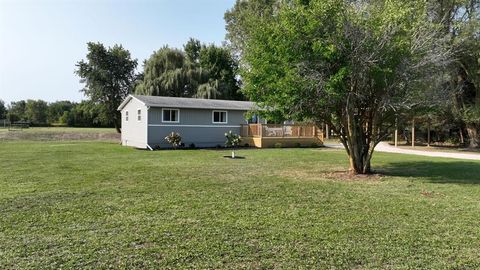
x=233, y=140
x=3, y=110
x=352, y=65
x=174, y=139
x=198, y=71
x=108, y=74
x=36, y=111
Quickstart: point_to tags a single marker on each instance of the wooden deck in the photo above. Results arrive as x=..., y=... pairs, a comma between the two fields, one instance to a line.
x=272, y=135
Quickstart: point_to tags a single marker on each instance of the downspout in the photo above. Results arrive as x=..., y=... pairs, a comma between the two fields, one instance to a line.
x=146, y=129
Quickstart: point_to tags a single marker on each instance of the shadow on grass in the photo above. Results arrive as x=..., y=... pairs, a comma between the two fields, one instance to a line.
x=459, y=172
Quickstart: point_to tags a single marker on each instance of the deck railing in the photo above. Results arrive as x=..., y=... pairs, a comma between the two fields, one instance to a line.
x=278, y=131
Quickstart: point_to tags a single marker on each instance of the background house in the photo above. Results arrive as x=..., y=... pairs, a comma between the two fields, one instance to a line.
x=146, y=120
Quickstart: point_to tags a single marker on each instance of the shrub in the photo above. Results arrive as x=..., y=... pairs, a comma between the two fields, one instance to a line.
x=192, y=146
x=278, y=145
x=298, y=145
x=314, y=145
x=174, y=139
x=233, y=140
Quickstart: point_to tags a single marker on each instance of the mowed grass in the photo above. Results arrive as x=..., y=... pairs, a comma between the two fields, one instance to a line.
x=98, y=205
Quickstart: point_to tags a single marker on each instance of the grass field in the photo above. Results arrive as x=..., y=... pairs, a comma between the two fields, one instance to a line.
x=98, y=205
x=59, y=134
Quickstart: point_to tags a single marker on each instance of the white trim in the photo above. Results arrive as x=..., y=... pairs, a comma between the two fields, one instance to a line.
x=146, y=127
x=215, y=126
x=226, y=117
x=127, y=99
x=171, y=109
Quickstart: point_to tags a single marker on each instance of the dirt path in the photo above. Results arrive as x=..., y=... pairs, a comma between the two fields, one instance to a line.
x=385, y=147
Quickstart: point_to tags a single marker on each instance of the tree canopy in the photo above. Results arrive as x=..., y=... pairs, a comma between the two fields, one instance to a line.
x=109, y=76
x=197, y=71
x=353, y=65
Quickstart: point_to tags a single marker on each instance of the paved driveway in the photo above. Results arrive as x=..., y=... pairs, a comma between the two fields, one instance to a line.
x=385, y=147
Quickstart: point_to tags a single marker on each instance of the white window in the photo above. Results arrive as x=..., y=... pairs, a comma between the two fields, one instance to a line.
x=219, y=117
x=139, y=115
x=126, y=116
x=170, y=115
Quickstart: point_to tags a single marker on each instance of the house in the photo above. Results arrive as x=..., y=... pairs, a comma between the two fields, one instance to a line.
x=147, y=120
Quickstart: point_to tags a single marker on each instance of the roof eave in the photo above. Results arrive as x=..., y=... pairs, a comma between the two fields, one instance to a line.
x=126, y=100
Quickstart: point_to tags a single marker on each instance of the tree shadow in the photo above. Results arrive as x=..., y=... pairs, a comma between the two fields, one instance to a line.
x=457, y=172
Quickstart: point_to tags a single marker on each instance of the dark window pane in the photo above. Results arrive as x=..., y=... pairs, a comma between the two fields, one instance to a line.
x=166, y=115
x=216, y=116
x=174, y=115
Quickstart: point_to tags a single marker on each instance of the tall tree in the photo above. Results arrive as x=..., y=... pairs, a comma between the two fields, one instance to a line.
x=57, y=109
x=36, y=111
x=199, y=71
x=222, y=71
x=109, y=76
x=16, y=111
x=239, y=23
x=192, y=50
x=461, y=20
x=167, y=73
x=3, y=110
x=351, y=64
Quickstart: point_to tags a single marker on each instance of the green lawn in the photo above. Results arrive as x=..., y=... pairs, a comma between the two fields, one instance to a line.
x=98, y=205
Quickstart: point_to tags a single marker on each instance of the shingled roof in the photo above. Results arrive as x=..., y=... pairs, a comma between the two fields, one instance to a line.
x=193, y=103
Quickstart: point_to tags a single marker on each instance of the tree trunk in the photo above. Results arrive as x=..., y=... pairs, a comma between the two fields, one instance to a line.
x=462, y=140
x=359, y=157
x=117, y=125
x=472, y=131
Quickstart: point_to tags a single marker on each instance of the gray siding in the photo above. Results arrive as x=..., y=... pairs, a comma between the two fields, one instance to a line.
x=200, y=136
x=195, y=126
x=196, y=117
x=134, y=132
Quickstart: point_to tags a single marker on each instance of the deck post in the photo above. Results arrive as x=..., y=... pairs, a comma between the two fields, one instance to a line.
x=327, y=135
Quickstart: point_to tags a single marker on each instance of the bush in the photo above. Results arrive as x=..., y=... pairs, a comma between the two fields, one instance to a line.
x=192, y=146
x=174, y=139
x=298, y=145
x=278, y=145
x=314, y=145
x=233, y=140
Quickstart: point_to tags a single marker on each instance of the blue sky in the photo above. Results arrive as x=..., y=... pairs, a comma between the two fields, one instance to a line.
x=41, y=40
